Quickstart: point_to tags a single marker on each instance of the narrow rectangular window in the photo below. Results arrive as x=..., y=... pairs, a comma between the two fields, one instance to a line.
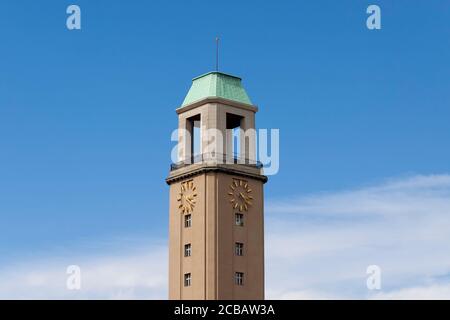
x=239, y=249
x=194, y=131
x=187, y=221
x=187, y=250
x=187, y=279
x=239, y=219
x=239, y=278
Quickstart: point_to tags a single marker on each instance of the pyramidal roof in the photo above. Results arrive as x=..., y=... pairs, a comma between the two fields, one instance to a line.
x=216, y=85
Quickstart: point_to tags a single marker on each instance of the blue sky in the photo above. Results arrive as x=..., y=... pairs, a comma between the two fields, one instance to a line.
x=86, y=116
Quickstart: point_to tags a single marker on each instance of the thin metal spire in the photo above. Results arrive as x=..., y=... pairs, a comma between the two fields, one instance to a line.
x=217, y=53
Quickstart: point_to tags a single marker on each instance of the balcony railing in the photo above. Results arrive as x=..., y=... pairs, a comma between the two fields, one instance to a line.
x=216, y=158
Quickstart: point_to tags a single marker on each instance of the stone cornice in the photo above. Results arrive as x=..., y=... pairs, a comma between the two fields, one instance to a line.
x=205, y=169
x=227, y=102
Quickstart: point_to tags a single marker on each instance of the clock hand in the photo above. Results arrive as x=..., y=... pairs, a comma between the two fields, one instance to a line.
x=245, y=197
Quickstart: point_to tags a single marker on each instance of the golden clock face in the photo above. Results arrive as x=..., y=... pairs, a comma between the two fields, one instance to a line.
x=240, y=195
x=186, y=197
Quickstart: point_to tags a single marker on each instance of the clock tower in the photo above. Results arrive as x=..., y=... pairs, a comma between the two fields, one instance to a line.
x=216, y=212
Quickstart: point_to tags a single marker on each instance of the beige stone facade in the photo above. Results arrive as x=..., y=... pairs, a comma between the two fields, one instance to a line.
x=213, y=235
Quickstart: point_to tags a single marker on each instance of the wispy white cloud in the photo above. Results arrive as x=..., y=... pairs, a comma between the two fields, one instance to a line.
x=138, y=275
x=427, y=292
x=317, y=247
x=323, y=243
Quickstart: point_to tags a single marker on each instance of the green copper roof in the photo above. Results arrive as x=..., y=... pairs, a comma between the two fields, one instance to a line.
x=216, y=84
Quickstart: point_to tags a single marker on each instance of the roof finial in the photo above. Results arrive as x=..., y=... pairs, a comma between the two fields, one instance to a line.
x=217, y=53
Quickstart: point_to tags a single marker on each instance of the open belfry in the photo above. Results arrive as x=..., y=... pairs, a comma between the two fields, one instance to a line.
x=216, y=213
